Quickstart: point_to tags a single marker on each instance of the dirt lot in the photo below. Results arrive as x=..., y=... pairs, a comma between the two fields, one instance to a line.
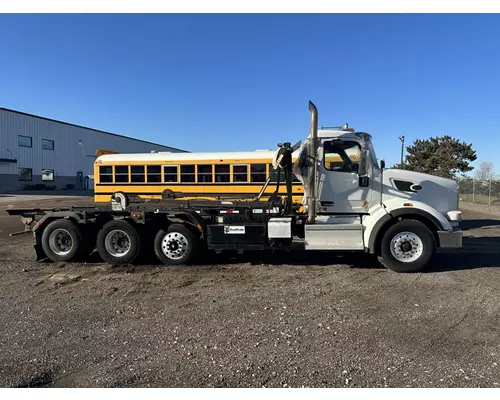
x=259, y=320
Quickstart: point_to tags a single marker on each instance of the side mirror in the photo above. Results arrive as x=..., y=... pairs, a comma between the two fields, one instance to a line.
x=364, y=181
x=382, y=164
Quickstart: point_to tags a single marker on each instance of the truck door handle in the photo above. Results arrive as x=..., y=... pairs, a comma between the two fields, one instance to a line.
x=327, y=203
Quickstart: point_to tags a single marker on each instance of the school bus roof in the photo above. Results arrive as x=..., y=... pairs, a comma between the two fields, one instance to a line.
x=160, y=156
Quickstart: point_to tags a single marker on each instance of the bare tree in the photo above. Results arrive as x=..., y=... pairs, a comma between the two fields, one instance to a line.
x=485, y=171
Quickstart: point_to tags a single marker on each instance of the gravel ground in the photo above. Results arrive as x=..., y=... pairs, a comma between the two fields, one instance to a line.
x=274, y=320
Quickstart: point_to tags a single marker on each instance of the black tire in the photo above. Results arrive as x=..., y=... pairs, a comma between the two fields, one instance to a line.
x=185, y=245
x=62, y=241
x=126, y=236
x=418, y=230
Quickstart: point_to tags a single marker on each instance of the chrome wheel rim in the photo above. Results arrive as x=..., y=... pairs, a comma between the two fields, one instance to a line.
x=174, y=245
x=117, y=243
x=60, y=241
x=406, y=247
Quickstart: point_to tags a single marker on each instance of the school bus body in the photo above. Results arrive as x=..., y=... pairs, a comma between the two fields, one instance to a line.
x=208, y=176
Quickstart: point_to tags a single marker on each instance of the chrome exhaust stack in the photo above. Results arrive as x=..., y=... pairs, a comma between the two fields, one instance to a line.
x=312, y=171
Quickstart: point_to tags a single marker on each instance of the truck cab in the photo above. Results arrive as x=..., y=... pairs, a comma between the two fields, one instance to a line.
x=402, y=215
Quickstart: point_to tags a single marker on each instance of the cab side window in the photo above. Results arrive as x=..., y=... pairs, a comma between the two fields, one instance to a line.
x=341, y=156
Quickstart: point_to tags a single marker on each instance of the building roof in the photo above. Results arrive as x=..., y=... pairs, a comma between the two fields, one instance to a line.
x=85, y=127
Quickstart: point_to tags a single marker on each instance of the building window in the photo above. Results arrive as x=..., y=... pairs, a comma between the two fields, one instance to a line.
x=137, y=173
x=258, y=173
x=47, y=144
x=24, y=141
x=222, y=173
x=25, y=174
x=240, y=173
x=47, y=175
x=187, y=173
x=154, y=173
x=204, y=174
x=170, y=173
x=105, y=174
x=121, y=173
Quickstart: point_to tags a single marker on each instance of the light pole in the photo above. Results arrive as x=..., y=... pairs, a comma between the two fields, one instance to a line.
x=402, y=138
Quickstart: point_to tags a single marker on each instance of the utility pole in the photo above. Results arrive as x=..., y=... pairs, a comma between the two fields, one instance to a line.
x=402, y=138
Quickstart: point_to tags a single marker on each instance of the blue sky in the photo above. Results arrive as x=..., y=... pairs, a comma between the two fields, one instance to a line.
x=242, y=82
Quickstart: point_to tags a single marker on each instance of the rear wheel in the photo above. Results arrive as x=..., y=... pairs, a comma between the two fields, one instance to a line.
x=62, y=241
x=407, y=246
x=176, y=245
x=118, y=243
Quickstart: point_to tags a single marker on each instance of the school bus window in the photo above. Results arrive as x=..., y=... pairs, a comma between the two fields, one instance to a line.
x=205, y=173
x=240, y=173
x=170, y=173
x=294, y=178
x=222, y=173
x=121, y=173
x=154, y=173
x=274, y=177
x=137, y=173
x=187, y=173
x=105, y=174
x=258, y=172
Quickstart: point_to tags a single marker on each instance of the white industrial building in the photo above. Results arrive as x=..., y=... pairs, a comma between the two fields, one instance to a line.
x=38, y=150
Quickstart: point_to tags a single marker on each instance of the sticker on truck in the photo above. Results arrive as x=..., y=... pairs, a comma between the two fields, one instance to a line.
x=234, y=230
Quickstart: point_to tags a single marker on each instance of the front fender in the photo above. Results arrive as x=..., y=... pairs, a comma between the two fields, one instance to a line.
x=396, y=209
x=379, y=217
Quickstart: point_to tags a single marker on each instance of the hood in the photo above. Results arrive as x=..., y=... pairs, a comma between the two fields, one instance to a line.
x=439, y=193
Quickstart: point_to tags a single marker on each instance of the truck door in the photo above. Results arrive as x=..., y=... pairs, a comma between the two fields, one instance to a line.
x=340, y=188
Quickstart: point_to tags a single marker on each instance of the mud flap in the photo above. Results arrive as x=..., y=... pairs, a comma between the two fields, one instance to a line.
x=40, y=254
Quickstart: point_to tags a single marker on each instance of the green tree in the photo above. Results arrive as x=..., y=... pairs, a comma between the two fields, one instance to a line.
x=441, y=156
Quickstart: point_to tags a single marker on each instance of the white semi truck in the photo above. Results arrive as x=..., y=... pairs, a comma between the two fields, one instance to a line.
x=355, y=205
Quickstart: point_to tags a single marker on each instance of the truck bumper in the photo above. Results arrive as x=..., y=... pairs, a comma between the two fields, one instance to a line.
x=450, y=239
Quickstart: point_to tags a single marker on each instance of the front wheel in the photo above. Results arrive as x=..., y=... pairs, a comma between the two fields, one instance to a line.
x=176, y=245
x=407, y=246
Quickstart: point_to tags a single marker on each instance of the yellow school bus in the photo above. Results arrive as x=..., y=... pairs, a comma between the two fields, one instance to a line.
x=235, y=176
x=210, y=176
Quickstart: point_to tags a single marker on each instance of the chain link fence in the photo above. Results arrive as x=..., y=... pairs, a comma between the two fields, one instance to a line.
x=480, y=191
